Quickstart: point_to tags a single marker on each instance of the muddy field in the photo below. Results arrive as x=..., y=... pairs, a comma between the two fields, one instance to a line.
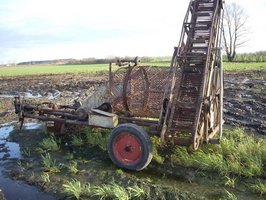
x=244, y=106
x=244, y=94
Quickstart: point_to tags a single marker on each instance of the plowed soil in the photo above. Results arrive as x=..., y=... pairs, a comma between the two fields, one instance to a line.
x=244, y=94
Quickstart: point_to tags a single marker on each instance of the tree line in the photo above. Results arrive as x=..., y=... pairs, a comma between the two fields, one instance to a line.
x=259, y=56
x=107, y=60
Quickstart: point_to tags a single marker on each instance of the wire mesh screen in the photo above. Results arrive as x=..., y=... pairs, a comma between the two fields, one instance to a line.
x=139, y=90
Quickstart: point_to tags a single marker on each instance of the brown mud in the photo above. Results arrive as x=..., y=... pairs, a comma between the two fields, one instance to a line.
x=244, y=106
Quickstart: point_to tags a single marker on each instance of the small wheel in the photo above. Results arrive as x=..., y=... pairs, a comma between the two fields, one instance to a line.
x=130, y=147
x=137, y=61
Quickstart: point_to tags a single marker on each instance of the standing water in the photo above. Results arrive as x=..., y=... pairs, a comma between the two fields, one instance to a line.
x=15, y=190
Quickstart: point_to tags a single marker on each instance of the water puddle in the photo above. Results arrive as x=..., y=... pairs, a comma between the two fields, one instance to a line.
x=31, y=125
x=72, y=100
x=11, y=150
x=7, y=96
x=30, y=95
x=19, y=190
x=53, y=96
x=7, y=124
x=25, y=94
x=245, y=80
x=4, y=131
x=8, y=150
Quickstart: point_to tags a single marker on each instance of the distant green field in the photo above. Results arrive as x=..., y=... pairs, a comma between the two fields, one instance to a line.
x=93, y=68
x=52, y=69
x=239, y=66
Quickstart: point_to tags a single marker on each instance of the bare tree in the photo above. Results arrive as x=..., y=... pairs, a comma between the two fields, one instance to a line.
x=234, y=30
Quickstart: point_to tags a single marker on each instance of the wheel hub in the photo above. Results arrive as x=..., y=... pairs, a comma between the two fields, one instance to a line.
x=128, y=148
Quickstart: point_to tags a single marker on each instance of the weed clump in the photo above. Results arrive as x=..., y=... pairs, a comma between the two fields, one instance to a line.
x=77, y=141
x=49, y=165
x=73, y=167
x=104, y=191
x=260, y=187
x=50, y=143
x=97, y=137
x=76, y=189
x=238, y=154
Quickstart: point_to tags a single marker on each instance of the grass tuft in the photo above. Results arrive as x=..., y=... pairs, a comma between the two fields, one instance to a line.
x=260, y=187
x=104, y=191
x=114, y=191
x=75, y=188
x=46, y=178
x=72, y=167
x=97, y=137
x=230, y=196
x=136, y=192
x=50, y=143
x=77, y=140
x=238, y=154
x=50, y=165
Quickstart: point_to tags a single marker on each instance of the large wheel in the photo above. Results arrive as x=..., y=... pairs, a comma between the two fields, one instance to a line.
x=130, y=147
x=200, y=131
x=210, y=117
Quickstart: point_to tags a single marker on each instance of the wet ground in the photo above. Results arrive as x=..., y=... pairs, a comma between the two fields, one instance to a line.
x=245, y=99
x=245, y=106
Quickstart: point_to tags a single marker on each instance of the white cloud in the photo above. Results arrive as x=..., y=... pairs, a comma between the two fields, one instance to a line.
x=51, y=29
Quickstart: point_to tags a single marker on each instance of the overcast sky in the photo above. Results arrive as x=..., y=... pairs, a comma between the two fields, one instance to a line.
x=55, y=29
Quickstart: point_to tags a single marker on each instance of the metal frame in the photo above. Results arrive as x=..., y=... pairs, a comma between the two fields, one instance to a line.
x=178, y=99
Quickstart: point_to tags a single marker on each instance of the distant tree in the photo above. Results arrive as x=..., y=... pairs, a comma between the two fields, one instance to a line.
x=234, y=30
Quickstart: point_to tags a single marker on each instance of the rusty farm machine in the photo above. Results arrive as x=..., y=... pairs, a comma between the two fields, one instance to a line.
x=182, y=103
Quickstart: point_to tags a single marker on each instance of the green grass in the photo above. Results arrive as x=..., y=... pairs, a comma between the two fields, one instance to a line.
x=73, y=167
x=161, y=64
x=93, y=68
x=77, y=140
x=238, y=154
x=50, y=165
x=115, y=191
x=50, y=143
x=45, y=177
x=104, y=191
x=260, y=187
x=76, y=189
x=244, y=66
x=52, y=69
x=97, y=137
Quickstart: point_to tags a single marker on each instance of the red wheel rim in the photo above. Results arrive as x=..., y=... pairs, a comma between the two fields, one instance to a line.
x=127, y=148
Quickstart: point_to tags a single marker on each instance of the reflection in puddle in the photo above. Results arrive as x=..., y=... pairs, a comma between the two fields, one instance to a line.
x=30, y=95
x=4, y=131
x=8, y=150
x=245, y=80
x=31, y=125
x=7, y=96
x=53, y=96
x=11, y=150
x=26, y=94
x=19, y=190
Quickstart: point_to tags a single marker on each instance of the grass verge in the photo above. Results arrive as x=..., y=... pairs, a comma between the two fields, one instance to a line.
x=94, y=68
x=238, y=154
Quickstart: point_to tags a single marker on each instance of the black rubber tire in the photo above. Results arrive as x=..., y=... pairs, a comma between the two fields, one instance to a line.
x=119, y=151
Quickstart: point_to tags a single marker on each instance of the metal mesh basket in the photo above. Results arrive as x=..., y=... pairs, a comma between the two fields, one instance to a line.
x=138, y=90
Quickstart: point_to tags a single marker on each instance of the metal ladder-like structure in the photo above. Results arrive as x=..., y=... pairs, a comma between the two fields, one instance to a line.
x=187, y=97
x=194, y=90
